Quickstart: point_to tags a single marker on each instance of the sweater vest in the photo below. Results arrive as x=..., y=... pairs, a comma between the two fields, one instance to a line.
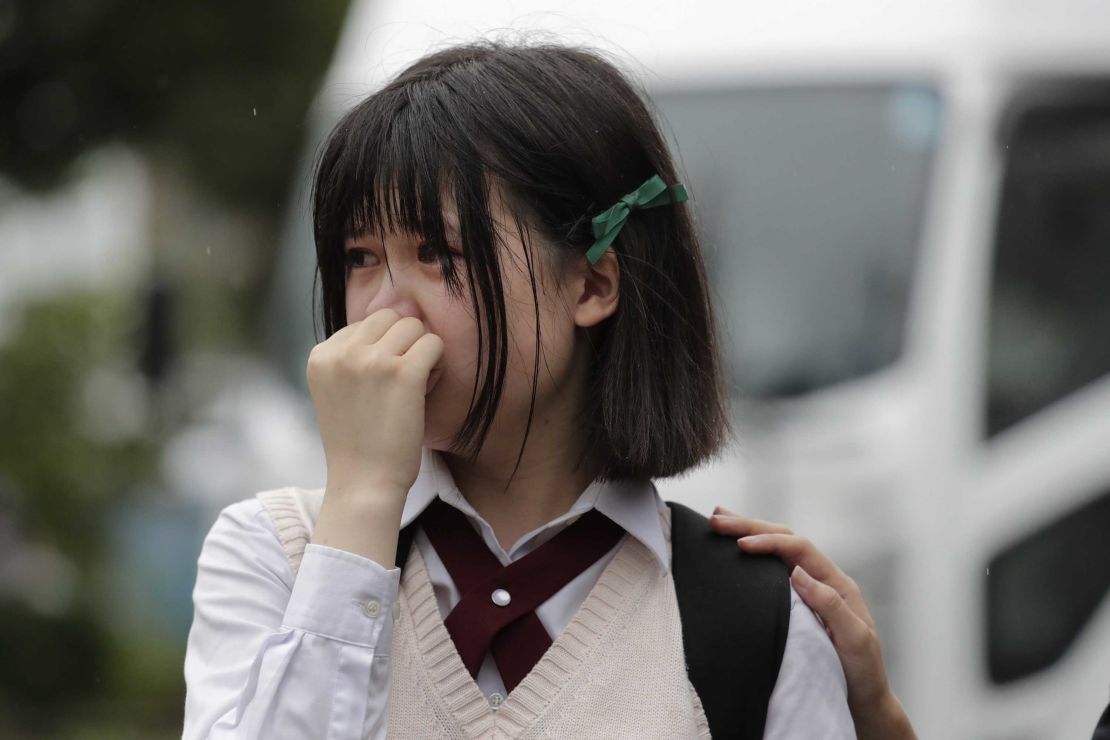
x=617, y=671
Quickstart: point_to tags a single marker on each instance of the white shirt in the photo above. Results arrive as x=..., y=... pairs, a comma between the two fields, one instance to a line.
x=270, y=656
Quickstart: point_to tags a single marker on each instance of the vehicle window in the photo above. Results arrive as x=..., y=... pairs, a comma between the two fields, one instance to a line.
x=1049, y=330
x=809, y=201
x=1042, y=590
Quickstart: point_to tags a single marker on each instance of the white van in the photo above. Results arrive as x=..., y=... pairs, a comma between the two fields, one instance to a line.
x=906, y=209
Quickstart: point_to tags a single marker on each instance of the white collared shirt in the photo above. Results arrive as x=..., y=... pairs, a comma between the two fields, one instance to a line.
x=271, y=656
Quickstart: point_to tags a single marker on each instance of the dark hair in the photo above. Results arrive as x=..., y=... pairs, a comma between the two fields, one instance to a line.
x=563, y=135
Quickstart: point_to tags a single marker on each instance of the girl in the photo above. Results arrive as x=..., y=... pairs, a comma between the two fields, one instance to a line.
x=519, y=339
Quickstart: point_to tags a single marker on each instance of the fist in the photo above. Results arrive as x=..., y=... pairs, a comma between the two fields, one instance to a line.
x=368, y=382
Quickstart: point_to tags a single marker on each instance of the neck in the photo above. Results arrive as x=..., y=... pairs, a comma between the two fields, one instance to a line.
x=548, y=480
x=544, y=487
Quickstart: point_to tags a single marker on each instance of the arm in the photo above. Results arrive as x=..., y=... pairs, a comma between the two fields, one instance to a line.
x=268, y=657
x=837, y=599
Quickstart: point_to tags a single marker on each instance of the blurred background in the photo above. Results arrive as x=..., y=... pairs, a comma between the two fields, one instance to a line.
x=906, y=214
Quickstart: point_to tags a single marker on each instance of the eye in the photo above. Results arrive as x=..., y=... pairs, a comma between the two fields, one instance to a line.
x=426, y=253
x=355, y=258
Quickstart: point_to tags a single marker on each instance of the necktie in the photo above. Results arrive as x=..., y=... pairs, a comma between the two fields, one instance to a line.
x=496, y=609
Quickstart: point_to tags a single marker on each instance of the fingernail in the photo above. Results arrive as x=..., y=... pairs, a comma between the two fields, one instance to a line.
x=800, y=577
x=751, y=539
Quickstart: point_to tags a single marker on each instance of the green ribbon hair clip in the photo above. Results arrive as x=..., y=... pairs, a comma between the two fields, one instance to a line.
x=608, y=224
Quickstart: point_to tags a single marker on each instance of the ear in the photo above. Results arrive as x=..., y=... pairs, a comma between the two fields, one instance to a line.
x=597, y=289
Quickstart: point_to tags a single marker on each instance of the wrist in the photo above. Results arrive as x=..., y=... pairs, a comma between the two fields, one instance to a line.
x=365, y=478
x=883, y=718
x=362, y=519
x=358, y=496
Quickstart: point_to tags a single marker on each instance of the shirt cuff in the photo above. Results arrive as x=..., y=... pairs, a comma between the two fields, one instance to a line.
x=343, y=596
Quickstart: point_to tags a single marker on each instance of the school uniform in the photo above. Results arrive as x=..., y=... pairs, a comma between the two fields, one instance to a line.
x=334, y=645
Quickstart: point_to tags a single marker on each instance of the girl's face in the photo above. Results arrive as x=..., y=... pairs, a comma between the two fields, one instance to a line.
x=414, y=285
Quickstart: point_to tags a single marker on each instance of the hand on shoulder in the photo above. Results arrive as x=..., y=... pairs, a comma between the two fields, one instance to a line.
x=838, y=601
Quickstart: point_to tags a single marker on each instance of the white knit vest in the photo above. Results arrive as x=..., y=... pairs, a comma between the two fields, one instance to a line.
x=616, y=671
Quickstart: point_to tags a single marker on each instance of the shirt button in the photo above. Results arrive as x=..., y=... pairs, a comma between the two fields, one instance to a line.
x=496, y=699
x=501, y=597
x=372, y=608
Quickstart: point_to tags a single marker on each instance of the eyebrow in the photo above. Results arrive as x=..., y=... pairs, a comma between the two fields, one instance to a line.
x=450, y=229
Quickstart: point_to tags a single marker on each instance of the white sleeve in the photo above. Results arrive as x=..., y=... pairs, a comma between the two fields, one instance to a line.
x=268, y=657
x=810, y=698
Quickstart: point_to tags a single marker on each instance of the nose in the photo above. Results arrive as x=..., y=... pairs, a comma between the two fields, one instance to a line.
x=394, y=293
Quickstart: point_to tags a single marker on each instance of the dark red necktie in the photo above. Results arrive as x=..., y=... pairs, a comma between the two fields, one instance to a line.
x=497, y=605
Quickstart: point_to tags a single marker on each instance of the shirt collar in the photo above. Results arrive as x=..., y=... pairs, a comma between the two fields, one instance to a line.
x=634, y=505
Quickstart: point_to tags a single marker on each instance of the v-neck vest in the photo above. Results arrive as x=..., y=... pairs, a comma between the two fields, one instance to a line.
x=617, y=670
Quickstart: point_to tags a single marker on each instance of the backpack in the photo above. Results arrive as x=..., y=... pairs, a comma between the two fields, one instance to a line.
x=734, y=609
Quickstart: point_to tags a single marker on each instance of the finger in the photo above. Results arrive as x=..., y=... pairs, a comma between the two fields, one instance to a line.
x=399, y=337
x=722, y=510
x=819, y=566
x=796, y=550
x=342, y=335
x=423, y=355
x=373, y=327
x=739, y=526
x=848, y=631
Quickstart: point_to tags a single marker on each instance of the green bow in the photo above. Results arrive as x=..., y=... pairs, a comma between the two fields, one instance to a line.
x=608, y=224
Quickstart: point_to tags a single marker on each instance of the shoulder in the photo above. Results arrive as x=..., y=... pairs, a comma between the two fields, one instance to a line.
x=725, y=591
x=240, y=517
x=696, y=545
x=248, y=530
x=727, y=596
x=292, y=505
x=735, y=610
x=243, y=576
x=261, y=509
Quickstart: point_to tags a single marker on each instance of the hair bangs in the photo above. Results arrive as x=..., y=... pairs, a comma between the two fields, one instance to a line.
x=397, y=168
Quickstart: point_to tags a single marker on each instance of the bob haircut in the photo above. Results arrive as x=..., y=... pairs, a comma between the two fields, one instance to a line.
x=562, y=134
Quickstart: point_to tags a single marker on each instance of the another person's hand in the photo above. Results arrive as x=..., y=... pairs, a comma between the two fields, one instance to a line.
x=837, y=600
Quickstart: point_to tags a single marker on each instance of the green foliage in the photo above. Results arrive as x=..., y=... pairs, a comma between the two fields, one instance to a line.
x=69, y=673
x=213, y=96
x=219, y=89
x=57, y=479
x=57, y=484
x=48, y=660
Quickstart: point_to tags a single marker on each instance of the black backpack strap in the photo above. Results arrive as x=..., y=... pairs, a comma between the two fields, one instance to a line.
x=735, y=612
